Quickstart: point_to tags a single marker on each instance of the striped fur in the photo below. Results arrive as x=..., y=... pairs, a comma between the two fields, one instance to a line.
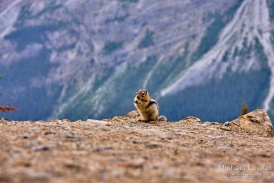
x=147, y=107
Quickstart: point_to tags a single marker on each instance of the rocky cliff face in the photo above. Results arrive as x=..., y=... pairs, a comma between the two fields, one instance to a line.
x=80, y=60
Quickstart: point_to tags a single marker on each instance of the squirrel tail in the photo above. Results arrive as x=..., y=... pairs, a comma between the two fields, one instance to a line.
x=162, y=118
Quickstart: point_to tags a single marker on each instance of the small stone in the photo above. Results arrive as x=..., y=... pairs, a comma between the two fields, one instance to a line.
x=116, y=118
x=135, y=173
x=143, y=132
x=239, y=153
x=181, y=132
x=70, y=135
x=153, y=145
x=3, y=121
x=155, y=132
x=133, y=114
x=40, y=139
x=84, y=123
x=190, y=119
x=160, y=133
x=43, y=148
x=102, y=148
x=72, y=165
x=215, y=123
x=138, y=163
x=105, y=128
x=66, y=127
x=65, y=121
x=35, y=128
x=50, y=133
x=218, y=137
x=135, y=142
x=225, y=128
x=26, y=136
x=225, y=148
x=99, y=122
x=168, y=135
x=206, y=124
x=30, y=175
x=159, y=165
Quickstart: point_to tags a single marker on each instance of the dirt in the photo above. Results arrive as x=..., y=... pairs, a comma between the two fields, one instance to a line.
x=123, y=149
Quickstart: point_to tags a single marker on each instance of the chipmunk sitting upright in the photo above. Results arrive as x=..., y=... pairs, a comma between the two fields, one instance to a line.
x=147, y=107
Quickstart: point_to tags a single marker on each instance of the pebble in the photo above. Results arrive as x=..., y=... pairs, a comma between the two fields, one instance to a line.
x=135, y=142
x=35, y=128
x=181, y=132
x=168, y=135
x=225, y=148
x=99, y=122
x=153, y=145
x=206, y=124
x=135, y=173
x=218, y=137
x=138, y=163
x=70, y=135
x=49, y=124
x=143, y=132
x=26, y=136
x=30, y=175
x=65, y=121
x=208, y=131
x=133, y=114
x=239, y=153
x=50, y=132
x=42, y=148
x=155, y=132
x=225, y=128
x=102, y=148
x=66, y=127
x=190, y=119
x=159, y=165
x=84, y=123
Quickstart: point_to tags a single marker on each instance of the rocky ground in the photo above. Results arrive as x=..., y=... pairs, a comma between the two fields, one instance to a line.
x=122, y=149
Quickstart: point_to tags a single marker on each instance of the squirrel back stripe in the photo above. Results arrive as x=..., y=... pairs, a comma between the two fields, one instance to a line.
x=152, y=102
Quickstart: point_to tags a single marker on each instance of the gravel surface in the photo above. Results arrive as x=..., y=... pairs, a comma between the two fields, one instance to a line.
x=122, y=149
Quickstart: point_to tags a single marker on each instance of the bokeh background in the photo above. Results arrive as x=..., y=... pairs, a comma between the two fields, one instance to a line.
x=86, y=59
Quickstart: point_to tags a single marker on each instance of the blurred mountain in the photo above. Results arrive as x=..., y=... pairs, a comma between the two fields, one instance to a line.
x=86, y=59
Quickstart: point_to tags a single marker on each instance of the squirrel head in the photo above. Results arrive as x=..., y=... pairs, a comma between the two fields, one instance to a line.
x=143, y=95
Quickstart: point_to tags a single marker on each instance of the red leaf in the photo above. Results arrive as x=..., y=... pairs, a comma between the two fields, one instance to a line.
x=8, y=108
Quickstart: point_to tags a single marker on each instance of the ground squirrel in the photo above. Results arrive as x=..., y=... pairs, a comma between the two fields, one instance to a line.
x=147, y=107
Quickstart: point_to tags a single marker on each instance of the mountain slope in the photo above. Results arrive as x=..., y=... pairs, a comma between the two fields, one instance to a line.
x=239, y=67
x=66, y=59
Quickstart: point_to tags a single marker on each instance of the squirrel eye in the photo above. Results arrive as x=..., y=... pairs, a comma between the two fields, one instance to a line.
x=143, y=94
